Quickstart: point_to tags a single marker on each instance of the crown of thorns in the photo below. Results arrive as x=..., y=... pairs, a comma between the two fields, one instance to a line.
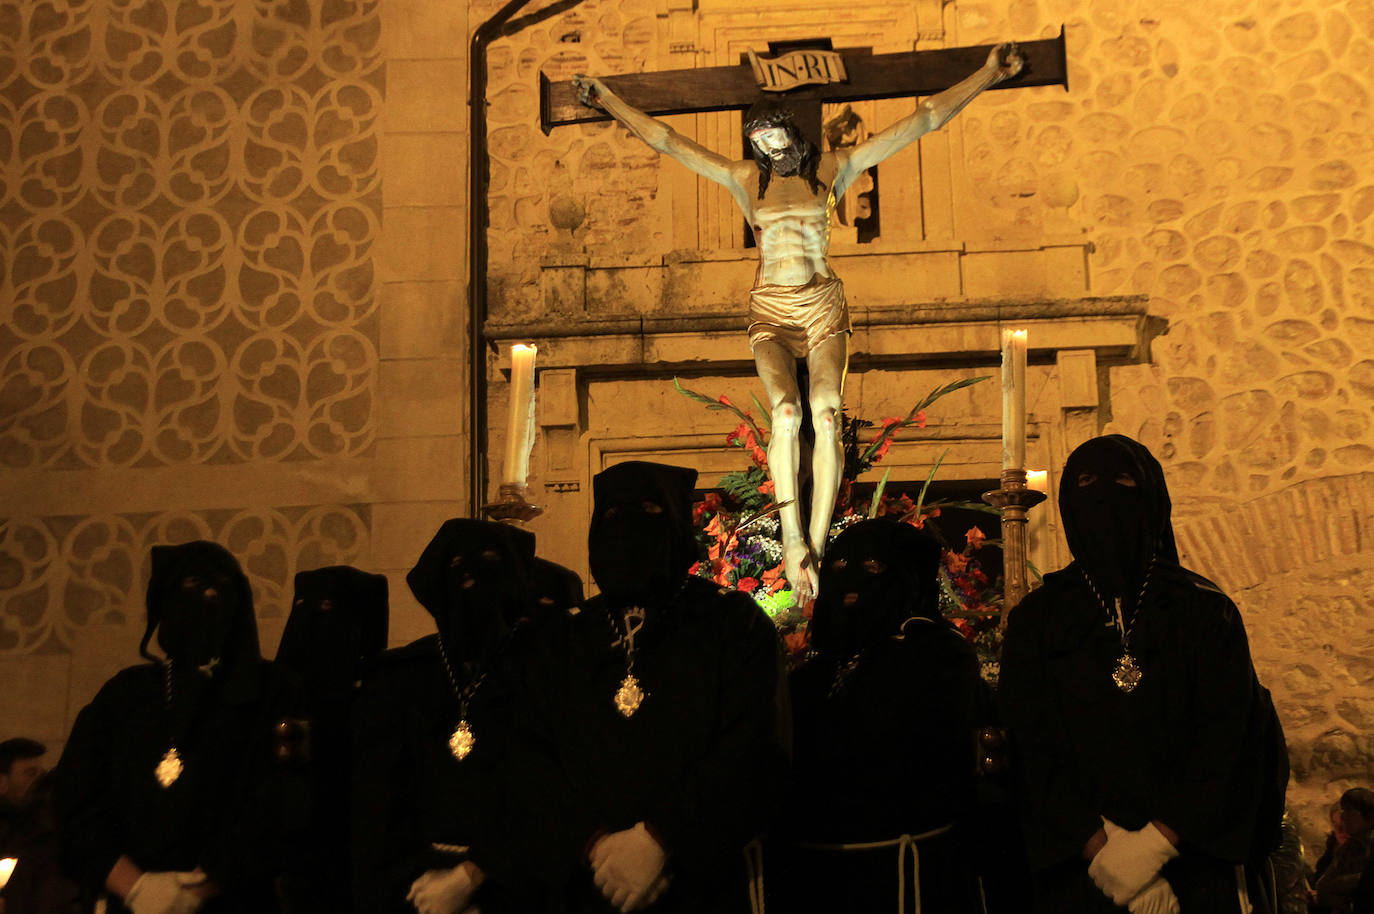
x=765, y=114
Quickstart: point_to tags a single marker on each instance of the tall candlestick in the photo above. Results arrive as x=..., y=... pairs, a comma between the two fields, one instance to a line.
x=1013, y=399
x=520, y=426
x=1038, y=545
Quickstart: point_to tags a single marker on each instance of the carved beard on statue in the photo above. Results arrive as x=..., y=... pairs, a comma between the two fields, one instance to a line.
x=786, y=161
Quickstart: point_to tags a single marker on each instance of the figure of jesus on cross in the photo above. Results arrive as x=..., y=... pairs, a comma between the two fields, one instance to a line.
x=797, y=307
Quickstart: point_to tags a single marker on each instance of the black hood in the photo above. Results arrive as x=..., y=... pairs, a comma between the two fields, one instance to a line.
x=555, y=590
x=474, y=578
x=641, y=540
x=874, y=577
x=1114, y=529
x=337, y=626
x=201, y=608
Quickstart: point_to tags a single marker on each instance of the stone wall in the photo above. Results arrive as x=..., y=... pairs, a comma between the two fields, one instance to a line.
x=205, y=331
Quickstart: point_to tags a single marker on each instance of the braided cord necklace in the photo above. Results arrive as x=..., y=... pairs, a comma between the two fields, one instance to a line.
x=631, y=694
x=170, y=767
x=1127, y=673
x=462, y=740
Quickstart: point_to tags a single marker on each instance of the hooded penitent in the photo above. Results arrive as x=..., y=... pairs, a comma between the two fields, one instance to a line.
x=883, y=726
x=875, y=576
x=555, y=589
x=1115, y=507
x=201, y=608
x=1191, y=740
x=641, y=543
x=219, y=705
x=473, y=577
x=337, y=626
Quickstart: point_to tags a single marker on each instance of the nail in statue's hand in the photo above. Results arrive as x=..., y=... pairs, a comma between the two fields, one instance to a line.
x=1008, y=60
x=589, y=90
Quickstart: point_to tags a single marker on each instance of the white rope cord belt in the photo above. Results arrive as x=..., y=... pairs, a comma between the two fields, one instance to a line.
x=903, y=843
x=754, y=856
x=449, y=848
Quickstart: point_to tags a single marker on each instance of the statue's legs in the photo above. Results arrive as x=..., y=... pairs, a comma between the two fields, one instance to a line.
x=777, y=369
x=828, y=363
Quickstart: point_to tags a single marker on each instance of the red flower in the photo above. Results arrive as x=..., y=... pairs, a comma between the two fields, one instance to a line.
x=796, y=642
x=773, y=579
x=709, y=504
x=766, y=488
x=724, y=399
x=748, y=585
x=956, y=562
x=919, y=420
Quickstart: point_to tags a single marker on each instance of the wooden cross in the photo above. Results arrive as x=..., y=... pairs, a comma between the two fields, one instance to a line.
x=870, y=76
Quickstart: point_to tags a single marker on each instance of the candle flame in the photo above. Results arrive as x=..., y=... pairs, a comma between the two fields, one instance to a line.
x=7, y=865
x=1039, y=480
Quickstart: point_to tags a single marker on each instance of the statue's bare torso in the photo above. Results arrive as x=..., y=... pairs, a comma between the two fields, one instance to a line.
x=792, y=226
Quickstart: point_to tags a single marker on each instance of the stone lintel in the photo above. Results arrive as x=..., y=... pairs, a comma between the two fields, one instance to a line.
x=606, y=285
x=1113, y=328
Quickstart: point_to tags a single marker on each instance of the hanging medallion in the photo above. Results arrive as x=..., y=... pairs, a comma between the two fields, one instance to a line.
x=462, y=741
x=1127, y=674
x=630, y=696
x=169, y=769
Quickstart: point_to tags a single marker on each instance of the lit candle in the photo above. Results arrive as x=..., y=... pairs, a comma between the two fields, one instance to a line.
x=1013, y=399
x=520, y=427
x=6, y=870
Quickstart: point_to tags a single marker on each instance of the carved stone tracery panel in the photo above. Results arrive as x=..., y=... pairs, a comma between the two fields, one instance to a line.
x=189, y=206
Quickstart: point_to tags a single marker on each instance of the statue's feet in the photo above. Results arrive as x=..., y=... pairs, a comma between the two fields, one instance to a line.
x=800, y=569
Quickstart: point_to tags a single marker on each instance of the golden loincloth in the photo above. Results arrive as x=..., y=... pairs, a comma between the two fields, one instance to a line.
x=798, y=317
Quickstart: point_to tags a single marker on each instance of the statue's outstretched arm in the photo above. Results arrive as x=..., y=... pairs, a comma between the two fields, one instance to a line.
x=660, y=136
x=1004, y=62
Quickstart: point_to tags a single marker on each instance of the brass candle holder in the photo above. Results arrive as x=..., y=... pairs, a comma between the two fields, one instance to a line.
x=1013, y=500
x=511, y=507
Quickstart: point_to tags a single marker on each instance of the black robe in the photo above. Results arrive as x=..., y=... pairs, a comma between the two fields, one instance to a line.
x=337, y=627
x=884, y=719
x=232, y=810
x=225, y=814
x=701, y=761
x=891, y=754
x=411, y=794
x=1196, y=746
x=415, y=806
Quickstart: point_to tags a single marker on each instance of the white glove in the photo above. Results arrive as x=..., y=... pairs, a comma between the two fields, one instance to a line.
x=1129, y=860
x=627, y=866
x=165, y=893
x=1156, y=898
x=442, y=891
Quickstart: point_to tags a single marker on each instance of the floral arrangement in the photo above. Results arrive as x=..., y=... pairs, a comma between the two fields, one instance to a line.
x=738, y=530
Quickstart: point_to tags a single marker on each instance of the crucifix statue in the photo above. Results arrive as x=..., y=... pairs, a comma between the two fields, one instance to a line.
x=797, y=308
